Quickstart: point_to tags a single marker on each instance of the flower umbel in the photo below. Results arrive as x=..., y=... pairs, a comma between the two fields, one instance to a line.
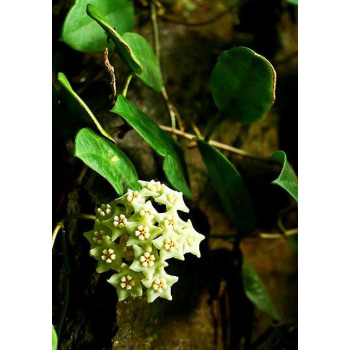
x=133, y=221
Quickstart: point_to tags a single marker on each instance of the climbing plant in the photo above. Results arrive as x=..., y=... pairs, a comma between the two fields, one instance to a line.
x=133, y=240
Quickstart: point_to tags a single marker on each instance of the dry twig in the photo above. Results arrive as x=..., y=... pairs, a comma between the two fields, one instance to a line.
x=110, y=70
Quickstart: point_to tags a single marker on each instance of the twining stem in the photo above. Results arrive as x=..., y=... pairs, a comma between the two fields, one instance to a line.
x=127, y=83
x=196, y=130
x=60, y=224
x=213, y=143
x=174, y=114
x=155, y=29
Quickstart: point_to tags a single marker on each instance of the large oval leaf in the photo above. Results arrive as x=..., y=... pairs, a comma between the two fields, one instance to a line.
x=287, y=178
x=81, y=105
x=256, y=291
x=151, y=74
x=230, y=188
x=121, y=45
x=243, y=85
x=174, y=164
x=106, y=159
x=81, y=33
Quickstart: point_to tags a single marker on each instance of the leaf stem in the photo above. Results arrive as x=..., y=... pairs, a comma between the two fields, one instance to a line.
x=127, y=83
x=66, y=85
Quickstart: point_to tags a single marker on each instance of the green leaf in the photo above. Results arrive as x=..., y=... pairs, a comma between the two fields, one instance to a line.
x=81, y=33
x=54, y=339
x=121, y=46
x=106, y=159
x=243, y=85
x=174, y=163
x=293, y=2
x=151, y=74
x=287, y=178
x=256, y=292
x=82, y=106
x=230, y=188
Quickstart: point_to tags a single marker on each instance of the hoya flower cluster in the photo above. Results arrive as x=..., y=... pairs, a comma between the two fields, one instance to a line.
x=134, y=239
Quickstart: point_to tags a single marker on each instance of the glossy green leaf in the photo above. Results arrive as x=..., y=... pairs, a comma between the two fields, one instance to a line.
x=54, y=339
x=106, y=159
x=287, y=178
x=293, y=2
x=174, y=164
x=256, y=292
x=82, y=105
x=230, y=187
x=151, y=74
x=82, y=33
x=243, y=85
x=121, y=46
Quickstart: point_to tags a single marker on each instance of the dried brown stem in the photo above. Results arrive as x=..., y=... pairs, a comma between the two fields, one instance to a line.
x=110, y=70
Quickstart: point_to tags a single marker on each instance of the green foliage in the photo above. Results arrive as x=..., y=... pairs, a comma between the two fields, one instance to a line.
x=230, y=187
x=174, y=164
x=54, y=339
x=80, y=106
x=121, y=46
x=82, y=34
x=106, y=159
x=256, y=292
x=293, y=2
x=151, y=74
x=134, y=50
x=243, y=85
x=287, y=178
